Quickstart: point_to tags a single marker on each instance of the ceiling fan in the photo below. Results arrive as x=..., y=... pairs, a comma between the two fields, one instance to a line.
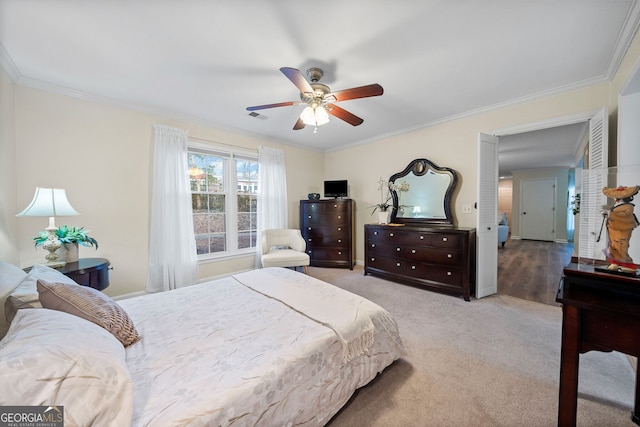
x=320, y=100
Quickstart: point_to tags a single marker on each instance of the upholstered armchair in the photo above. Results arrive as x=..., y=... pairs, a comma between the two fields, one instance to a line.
x=284, y=248
x=503, y=228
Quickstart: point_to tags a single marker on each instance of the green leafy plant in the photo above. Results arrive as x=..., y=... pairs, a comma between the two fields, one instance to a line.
x=69, y=235
x=575, y=204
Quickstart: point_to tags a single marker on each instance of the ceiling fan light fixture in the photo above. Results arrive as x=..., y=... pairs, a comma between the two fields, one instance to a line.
x=314, y=116
x=322, y=117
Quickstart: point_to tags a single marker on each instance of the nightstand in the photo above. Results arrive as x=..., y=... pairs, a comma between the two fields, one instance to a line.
x=92, y=272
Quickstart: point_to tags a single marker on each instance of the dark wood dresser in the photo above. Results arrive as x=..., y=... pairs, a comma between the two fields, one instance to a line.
x=440, y=259
x=328, y=228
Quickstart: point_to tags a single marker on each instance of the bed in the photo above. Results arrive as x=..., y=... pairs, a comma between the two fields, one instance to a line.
x=264, y=347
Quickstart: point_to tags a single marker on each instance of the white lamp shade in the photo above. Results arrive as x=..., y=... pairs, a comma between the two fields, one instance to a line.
x=308, y=117
x=49, y=202
x=314, y=117
x=322, y=117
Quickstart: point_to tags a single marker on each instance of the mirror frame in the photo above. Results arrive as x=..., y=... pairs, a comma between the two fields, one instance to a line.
x=420, y=167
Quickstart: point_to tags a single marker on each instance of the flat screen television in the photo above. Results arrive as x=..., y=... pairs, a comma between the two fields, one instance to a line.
x=335, y=189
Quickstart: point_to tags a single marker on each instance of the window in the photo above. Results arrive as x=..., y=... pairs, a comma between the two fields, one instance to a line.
x=224, y=187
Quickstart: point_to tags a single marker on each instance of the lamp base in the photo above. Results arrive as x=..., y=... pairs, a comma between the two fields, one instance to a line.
x=56, y=264
x=52, y=244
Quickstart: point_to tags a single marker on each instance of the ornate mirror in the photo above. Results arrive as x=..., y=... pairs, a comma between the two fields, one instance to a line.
x=422, y=194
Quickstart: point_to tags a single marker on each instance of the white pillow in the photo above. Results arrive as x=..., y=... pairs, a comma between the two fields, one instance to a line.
x=53, y=358
x=26, y=293
x=27, y=290
x=10, y=278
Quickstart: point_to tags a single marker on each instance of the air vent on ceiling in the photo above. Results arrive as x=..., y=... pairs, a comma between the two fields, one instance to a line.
x=258, y=115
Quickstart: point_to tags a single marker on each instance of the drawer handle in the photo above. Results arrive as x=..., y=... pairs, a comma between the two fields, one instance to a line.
x=421, y=237
x=309, y=216
x=444, y=239
x=449, y=255
x=335, y=206
x=339, y=240
x=390, y=234
x=339, y=216
x=373, y=259
x=310, y=239
x=397, y=264
x=308, y=228
x=413, y=251
x=339, y=252
x=375, y=233
x=413, y=267
x=448, y=273
x=397, y=249
x=373, y=245
x=339, y=228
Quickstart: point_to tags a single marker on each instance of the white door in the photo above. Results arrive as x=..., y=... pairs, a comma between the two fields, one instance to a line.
x=593, y=180
x=487, y=220
x=537, y=209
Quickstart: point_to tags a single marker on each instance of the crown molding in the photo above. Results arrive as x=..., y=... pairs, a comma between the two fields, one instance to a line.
x=628, y=32
x=7, y=63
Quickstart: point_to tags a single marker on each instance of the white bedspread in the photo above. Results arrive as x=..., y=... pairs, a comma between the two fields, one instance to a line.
x=223, y=354
x=350, y=316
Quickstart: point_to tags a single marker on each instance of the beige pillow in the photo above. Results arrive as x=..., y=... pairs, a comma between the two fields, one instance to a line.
x=89, y=304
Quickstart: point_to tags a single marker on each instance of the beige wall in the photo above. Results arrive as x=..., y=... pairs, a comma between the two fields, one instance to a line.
x=505, y=198
x=8, y=220
x=101, y=155
x=453, y=144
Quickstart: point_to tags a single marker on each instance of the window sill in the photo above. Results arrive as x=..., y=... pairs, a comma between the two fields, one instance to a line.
x=205, y=259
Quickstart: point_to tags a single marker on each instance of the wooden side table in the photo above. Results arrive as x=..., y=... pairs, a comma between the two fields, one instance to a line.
x=92, y=272
x=600, y=311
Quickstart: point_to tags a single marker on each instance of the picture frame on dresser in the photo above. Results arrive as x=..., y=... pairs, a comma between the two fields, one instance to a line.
x=422, y=246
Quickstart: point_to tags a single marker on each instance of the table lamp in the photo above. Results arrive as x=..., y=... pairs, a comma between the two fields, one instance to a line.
x=50, y=202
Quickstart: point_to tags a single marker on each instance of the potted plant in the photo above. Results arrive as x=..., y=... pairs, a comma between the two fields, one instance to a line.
x=383, y=206
x=70, y=238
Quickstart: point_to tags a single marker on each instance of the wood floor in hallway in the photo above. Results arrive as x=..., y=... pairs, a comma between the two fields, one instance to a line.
x=531, y=269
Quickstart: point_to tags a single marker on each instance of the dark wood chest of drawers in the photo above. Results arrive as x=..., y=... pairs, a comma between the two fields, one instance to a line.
x=439, y=259
x=328, y=228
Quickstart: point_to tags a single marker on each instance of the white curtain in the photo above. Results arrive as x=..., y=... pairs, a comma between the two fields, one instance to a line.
x=173, y=261
x=272, y=193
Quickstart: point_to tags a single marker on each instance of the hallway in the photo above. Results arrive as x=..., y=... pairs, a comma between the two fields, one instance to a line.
x=531, y=269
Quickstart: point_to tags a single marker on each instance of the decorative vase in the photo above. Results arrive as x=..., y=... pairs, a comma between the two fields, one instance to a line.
x=383, y=217
x=68, y=252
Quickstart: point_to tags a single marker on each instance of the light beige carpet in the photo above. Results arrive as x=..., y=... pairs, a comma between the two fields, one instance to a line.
x=488, y=362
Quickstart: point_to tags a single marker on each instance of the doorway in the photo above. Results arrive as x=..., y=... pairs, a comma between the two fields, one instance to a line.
x=530, y=159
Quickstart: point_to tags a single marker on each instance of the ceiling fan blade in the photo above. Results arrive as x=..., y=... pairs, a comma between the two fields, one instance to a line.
x=299, y=124
x=343, y=114
x=297, y=78
x=280, y=104
x=357, y=92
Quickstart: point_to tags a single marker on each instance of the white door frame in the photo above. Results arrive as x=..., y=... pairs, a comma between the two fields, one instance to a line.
x=511, y=130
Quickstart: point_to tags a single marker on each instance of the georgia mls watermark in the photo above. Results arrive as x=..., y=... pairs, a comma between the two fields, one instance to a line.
x=31, y=416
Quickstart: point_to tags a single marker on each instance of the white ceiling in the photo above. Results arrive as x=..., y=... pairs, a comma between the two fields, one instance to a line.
x=206, y=61
x=549, y=147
